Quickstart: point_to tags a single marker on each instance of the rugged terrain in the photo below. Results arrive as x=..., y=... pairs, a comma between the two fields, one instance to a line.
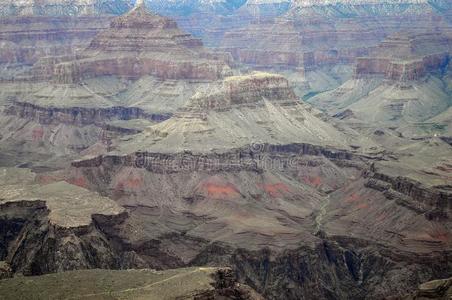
x=139, y=69
x=402, y=83
x=126, y=144
x=437, y=289
x=308, y=204
x=318, y=40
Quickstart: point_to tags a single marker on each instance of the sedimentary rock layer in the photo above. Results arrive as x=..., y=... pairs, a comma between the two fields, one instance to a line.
x=142, y=43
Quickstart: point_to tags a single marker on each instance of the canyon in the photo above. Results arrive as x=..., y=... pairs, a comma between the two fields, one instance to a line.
x=226, y=149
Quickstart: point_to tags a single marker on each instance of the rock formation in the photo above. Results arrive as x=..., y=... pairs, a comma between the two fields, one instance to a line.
x=313, y=38
x=265, y=110
x=58, y=219
x=26, y=39
x=141, y=149
x=141, y=68
x=288, y=199
x=400, y=82
x=436, y=289
x=405, y=56
x=141, y=43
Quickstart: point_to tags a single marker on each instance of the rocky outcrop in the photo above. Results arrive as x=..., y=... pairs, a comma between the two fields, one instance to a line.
x=405, y=57
x=78, y=116
x=26, y=39
x=436, y=289
x=339, y=268
x=35, y=246
x=54, y=227
x=233, y=161
x=142, y=43
x=411, y=193
x=242, y=90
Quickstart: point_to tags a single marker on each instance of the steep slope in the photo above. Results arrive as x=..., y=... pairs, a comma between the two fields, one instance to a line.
x=260, y=108
x=141, y=67
x=141, y=43
x=39, y=218
x=319, y=36
x=400, y=83
x=237, y=176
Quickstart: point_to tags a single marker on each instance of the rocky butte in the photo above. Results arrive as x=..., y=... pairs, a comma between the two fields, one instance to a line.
x=401, y=83
x=141, y=43
x=140, y=69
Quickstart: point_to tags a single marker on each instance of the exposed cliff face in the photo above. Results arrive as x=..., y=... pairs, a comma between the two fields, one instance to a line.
x=76, y=116
x=26, y=39
x=141, y=43
x=405, y=189
x=264, y=109
x=54, y=227
x=303, y=44
x=405, y=57
x=401, y=83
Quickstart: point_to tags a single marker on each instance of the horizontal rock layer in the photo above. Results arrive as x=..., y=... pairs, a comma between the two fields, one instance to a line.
x=425, y=199
x=401, y=70
x=78, y=116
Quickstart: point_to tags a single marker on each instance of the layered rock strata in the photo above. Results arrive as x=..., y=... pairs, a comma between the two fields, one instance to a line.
x=405, y=57
x=141, y=43
x=26, y=39
x=57, y=219
x=281, y=213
